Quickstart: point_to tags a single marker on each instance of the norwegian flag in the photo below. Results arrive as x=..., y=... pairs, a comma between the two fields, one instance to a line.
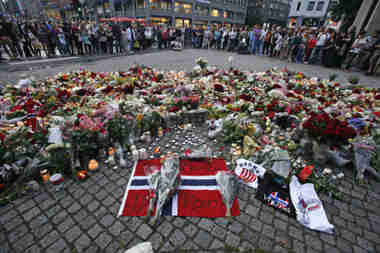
x=276, y=201
x=198, y=194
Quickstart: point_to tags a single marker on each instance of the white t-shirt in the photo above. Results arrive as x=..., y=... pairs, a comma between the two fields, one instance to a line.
x=321, y=40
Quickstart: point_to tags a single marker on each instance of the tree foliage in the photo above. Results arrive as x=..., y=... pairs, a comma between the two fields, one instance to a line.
x=348, y=9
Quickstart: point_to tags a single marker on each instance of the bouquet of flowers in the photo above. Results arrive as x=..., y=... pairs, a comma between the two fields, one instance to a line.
x=163, y=183
x=169, y=182
x=228, y=188
x=321, y=125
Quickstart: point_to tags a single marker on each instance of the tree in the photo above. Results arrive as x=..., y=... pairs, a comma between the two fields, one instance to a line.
x=347, y=9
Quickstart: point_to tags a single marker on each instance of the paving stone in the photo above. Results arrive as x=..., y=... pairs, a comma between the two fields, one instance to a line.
x=203, y=239
x=256, y=225
x=279, y=249
x=268, y=231
x=126, y=237
x=75, y=207
x=219, y=232
x=165, y=228
x=296, y=233
x=279, y=224
x=298, y=247
x=232, y=240
x=26, y=206
x=252, y=210
x=157, y=241
x=266, y=217
x=359, y=250
x=20, y=245
x=236, y=227
x=281, y=216
x=243, y=218
x=113, y=247
x=82, y=243
x=103, y=240
x=66, y=201
x=328, y=238
x=216, y=244
x=72, y=234
x=17, y=233
x=108, y=201
x=61, y=216
x=331, y=209
x=58, y=246
x=41, y=231
x=66, y=224
x=371, y=236
x=87, y=222
x=107, y=220
x=190, y=230
x=177, y=238
x=93, y=248
x=331, y=249
x=311, y=250
x=190, y=246
x=100, y=212
x=365, y=244
x=167, y=247
x=16, y=221
x=29, y=215
x=49, y=238
x=33, y=249
x=343, y=245
x=102, y=194
x=94, y=189
x=338, y=221
x=116, y=228
x=353, y=227
x=95, y=231
x=283, y=239
x=313, y=242
x=144, y=231
x=265, y=243
x=93, y=205
x=179, y=222
x=363, y=222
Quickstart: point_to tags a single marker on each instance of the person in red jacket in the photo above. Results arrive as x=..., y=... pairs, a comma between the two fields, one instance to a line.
x=310, y=46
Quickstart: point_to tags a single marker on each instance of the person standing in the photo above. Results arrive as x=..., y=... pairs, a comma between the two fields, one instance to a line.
x=374, y=61
x=316, y=54
x=131, y=38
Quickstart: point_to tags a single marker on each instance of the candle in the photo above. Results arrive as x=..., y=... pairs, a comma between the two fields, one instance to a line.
x=82, y=174
x=45, y=175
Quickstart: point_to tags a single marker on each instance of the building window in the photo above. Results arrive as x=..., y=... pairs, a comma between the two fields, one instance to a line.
x=165, y=4
x=183, y=7
x=310, y=5
x=140, y=4
x=298, y=6
x=215, y=13
x=320, y=5
x=201, y=10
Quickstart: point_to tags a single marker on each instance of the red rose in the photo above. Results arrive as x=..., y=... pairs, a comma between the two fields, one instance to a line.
x=225, y=100
x=245, y=97
x=174, y=109
x=218, y=87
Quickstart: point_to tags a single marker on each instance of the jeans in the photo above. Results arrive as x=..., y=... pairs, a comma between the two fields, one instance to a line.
x=257, y=46
x=316, y=55
x=300, y=54
x=252, y=46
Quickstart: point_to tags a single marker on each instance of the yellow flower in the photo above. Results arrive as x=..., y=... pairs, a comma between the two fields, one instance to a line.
x=139, y=116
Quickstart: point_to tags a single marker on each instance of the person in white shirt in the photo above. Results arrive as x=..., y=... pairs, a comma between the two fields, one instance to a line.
x=316, y=54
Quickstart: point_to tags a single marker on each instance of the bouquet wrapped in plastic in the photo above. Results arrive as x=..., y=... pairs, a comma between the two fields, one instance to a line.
x=202, y=152
x=168, y=183
x=228, y=188
x=154, y=176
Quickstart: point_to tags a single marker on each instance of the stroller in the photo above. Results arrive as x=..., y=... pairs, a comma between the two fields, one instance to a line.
x=177, y=44
x=243, y=47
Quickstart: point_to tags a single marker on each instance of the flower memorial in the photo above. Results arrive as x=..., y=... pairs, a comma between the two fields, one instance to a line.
x=84, y=114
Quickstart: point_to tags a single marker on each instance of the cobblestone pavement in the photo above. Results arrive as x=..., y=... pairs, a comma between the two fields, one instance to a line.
x=184, y=60
x=83, y=216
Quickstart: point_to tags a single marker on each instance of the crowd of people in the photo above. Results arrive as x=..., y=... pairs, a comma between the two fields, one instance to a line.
x=302, y=45
x=323, y=46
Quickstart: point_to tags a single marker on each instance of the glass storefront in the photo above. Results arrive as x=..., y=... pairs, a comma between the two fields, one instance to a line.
x=180, y=22
x=159, y=21
x=183, y=8
x=215, y=13
x=201, y=10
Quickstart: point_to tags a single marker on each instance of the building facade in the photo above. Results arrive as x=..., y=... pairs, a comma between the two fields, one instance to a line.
x=178, y=12
x=309, y=13
x=368, y=17
x=269, y=11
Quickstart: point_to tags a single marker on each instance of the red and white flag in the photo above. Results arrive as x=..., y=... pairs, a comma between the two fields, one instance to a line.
x=198, y=194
